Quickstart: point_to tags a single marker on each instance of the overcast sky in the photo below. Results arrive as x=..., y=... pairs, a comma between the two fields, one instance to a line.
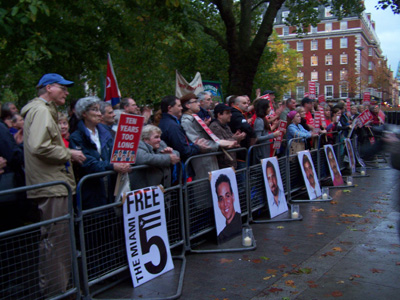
x=387, y=27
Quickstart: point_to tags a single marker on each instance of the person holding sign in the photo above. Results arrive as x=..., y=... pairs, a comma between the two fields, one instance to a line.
x=194, y=131
x=96, y=143
x=153, y=152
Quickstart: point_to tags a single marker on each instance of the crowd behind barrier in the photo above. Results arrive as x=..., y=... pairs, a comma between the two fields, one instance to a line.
x=99, y=231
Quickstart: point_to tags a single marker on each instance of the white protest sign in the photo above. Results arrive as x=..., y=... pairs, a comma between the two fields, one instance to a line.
x=146, y=236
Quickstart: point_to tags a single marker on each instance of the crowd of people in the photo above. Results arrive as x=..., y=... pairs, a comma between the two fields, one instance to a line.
x=41, y=145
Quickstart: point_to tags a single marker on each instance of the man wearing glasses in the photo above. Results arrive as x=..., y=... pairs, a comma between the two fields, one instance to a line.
x=47, y=159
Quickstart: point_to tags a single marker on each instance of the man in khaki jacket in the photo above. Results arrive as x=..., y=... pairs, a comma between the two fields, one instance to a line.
x=47, y=159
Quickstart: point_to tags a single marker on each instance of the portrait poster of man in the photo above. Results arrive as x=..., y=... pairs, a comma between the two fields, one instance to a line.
x=334, y=169
x=309, y=174
x=350, y=154
x=226, y=203
x=274, y=186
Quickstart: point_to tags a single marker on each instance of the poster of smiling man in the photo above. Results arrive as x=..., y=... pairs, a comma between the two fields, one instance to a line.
x=274, y=186
x=309, y=174
x=334, y=169
x=350, y=154
x=226, y=202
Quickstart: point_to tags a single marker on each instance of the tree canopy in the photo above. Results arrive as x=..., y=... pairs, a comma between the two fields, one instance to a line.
x=148, y=40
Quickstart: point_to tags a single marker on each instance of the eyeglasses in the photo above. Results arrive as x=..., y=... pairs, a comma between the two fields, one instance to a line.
x=63, y=88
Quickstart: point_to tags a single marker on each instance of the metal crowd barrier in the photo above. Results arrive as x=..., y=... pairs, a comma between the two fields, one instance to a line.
x=199, y=214
x=22, y=256
x=102, y=240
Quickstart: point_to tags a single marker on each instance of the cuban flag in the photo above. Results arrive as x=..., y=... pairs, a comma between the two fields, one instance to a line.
x=112, y=93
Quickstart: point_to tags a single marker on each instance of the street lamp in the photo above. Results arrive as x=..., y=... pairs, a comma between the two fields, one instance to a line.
x=360, y=49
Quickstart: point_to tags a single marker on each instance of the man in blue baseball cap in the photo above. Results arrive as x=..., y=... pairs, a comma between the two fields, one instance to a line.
x=47, y=159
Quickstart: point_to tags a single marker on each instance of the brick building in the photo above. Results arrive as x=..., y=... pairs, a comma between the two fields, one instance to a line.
x=335, y=53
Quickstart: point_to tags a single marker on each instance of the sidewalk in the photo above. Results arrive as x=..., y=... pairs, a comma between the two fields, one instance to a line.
x=348, y=249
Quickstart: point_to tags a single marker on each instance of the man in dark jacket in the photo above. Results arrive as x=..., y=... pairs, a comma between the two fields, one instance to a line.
x=239, y=124
x=172, y=132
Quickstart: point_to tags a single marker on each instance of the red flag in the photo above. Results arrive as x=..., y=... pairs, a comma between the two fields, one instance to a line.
x=112, y=93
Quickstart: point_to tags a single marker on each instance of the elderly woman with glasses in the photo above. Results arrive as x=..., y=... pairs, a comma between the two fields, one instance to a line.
x=96, y=143
x=159, y=158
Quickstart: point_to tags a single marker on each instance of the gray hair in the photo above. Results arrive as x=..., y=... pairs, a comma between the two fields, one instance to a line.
x=103, y=106
x=148, y=130
x=202, y=95
x=84, y=104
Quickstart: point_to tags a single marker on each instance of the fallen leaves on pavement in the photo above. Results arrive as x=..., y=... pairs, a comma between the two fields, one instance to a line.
x=376, y=270
x=351, y=215
x=225, y=261
x=337, y=294
x=290, y=283
x=317, y=209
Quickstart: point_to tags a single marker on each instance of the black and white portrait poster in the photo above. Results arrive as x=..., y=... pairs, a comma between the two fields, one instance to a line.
x=309, y=174
x=226, y=204
x=274, y=186
x=350, y=155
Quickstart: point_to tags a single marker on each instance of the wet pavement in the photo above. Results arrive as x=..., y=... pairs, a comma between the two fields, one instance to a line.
x=348, y=248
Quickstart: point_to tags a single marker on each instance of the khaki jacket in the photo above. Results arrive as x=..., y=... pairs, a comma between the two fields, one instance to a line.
x=46, y=157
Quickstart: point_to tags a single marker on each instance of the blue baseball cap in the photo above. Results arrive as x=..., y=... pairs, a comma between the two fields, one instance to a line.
x=53, y=78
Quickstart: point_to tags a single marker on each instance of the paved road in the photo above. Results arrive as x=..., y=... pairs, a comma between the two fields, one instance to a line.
x=347, y=249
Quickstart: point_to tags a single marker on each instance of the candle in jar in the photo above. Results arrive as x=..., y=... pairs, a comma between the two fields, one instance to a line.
x=295, y=215
x=247, y=241
x=349, y=183
x=362, y=173
x=325, y=196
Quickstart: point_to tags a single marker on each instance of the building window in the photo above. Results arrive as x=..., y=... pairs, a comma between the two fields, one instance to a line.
x=344, y=93
x=314, y=45
x=370, y=65
x=343, y=59
x=314, y=60
x=329, y=91
x=300, y=61
x=343, y=43
x=314, y=76
x=314, y=29
x=316, y=89
x=285, y=47
x=287, y=95
x=343, y=74
x=370, y=51
x=300, y=92
x=343, y=25
x=328, y=60
x=328, y=27
x=300, y=46
x=329, y=75
x=286, y=30
x=300, y=76
x=328, y=44
x=370, y=79
x=284, y=16
x=328, y=12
